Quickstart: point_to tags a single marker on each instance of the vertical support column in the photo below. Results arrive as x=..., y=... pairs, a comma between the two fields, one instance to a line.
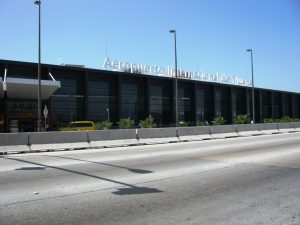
x=272, y=104
x=5, y=110
x=298, y=106
x=180, y=102
x=282, y=105
x=211, y=104
x=293, y=113
x=173, y=102
x=248, y=103
x=260, y=113
x=147, y=97
x=216, y=113
x=233, y=104
x=86, y=95
x=119, y=96
x=48, y=101
x=194, y=102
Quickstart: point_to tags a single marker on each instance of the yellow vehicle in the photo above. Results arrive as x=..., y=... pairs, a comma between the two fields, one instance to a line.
x=79, y=126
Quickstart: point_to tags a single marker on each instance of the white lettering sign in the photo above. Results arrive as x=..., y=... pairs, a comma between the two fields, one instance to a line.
x=134, y=68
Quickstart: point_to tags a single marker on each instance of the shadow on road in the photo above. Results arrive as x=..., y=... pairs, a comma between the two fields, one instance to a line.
x=136, y=190
x=105, y=164
x=132, y=189
x=31, y=168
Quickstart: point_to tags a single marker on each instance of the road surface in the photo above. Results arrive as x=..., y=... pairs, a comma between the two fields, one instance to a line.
x=251, y=180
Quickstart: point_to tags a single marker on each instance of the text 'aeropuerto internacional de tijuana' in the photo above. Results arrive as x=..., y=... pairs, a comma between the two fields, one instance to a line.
x=124, y=66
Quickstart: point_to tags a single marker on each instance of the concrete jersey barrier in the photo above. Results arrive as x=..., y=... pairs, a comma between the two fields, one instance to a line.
x=157, y=135
x=58, y=140
x=223, y=131
x=193, y=133
x=286, y=127
x=26, y=142
x=297, y=126
x=268, y=128
x=248, y=129
x=14, y=142
x=110, y=138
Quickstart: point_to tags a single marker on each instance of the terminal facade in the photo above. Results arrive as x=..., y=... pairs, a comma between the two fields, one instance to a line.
x=77, y=93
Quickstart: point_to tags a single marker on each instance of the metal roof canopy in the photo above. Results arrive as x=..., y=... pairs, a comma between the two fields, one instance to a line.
x=28, y=88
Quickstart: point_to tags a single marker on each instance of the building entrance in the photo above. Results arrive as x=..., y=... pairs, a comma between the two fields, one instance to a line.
x=21, y=124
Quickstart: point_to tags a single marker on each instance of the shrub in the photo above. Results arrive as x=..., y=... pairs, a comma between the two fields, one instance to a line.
x=242, y=119
x=125, y=123
x=269, y=120
x=202, y=123
x=287, y=119
x=183, y=124
x=103, y=125
x=218, y=121
x=147, y=123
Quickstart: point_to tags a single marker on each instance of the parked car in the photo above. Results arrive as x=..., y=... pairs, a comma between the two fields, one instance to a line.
x=79, y=126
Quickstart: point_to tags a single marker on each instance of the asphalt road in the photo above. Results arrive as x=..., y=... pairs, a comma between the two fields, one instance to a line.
x=252, y=180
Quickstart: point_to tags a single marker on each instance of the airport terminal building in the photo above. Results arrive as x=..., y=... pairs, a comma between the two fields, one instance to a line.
x=126, y=90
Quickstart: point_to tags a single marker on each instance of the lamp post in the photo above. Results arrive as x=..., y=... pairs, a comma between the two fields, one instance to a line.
x=38, y=3
x=176, y=85
x=253, y=103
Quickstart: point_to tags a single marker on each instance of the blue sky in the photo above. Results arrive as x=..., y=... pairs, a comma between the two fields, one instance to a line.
x=212, y=35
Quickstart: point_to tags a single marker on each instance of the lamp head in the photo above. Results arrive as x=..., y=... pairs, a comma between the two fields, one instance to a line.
x=249, y=50
x=37, y=2
x=172, y=31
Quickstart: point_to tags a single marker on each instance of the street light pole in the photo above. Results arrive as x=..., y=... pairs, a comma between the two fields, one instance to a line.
x=253, y=97
x=38, y=3
x=176, y=82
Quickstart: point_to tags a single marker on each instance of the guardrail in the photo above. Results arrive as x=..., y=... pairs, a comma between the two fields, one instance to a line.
x=44, y=141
